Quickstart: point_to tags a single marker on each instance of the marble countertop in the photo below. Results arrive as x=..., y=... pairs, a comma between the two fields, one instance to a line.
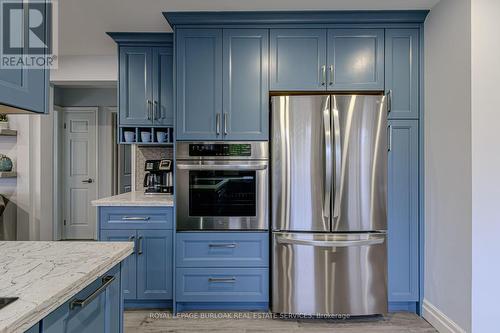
x=45, y=275
x=136, y=198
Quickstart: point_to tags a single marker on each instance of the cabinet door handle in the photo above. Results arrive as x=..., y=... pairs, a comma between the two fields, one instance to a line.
x=217, y=123
x=139, y=247
x=332, y=77
x=323, y=75
x=106, y=281
x=135, y=218
x=389, y=101
x=389, y=139
x=225, y=123
x=150, y=109
x=156, y=110
x=132, y=239
x=225, y=245
x=222, y=280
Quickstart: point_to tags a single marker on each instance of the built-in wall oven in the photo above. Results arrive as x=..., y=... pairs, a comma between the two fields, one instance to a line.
x=222, y=185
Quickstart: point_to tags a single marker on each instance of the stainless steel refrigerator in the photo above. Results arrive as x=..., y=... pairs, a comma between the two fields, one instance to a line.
x=329, y=202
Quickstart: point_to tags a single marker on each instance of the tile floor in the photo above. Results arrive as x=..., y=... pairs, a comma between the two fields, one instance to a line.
x=249, y=322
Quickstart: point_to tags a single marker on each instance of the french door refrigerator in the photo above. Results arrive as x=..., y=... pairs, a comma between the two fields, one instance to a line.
x=329, y=194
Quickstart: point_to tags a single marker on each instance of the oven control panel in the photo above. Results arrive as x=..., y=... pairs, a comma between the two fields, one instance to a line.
x=220, y=149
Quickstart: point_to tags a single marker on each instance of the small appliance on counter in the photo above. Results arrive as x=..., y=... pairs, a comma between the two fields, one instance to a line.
x=159, y=177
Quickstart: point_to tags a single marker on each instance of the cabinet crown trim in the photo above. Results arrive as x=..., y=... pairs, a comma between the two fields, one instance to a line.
x=138, y=38
x=294, y=17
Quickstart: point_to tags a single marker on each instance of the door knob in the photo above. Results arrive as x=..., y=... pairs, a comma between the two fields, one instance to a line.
x=88, y=181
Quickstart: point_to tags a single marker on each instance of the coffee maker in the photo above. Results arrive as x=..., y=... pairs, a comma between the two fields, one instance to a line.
x=159, y=177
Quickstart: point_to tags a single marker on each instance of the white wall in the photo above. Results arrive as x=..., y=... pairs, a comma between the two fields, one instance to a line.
x=87, y=69
x=485, y=165
x=448, y=207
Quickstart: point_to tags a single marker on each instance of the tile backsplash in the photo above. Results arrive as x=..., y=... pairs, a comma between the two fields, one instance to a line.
x=144, y=153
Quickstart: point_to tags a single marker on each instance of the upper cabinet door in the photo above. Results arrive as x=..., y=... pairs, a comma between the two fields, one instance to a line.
x=355, y=59
x=24, y=88
x=199, y=84
x=245, y=77
x=298, y=59
x=163, y=79
x=136, y=99
x=402, y=72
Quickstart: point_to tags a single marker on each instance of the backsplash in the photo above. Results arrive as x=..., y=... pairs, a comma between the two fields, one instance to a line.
x=144, y=153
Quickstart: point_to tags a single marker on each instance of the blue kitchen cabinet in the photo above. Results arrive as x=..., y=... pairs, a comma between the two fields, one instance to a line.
x=25, y=88
x=148, y=273
x=34, y=329
x=154, y=264
x=222, y=270
x=403, y=212
x=355, y=59
x=129, y=265
x=298, y=59
x=96, y=309
x=163, y=98
x=245, y=84
x=199, y=84
x=145, y=82
x=402, y=72
x=136, y=85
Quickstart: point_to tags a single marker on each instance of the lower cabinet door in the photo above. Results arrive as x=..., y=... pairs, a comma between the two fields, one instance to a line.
x=403, y=211
x=154, y=264
x=222, y=285
x=129, y=265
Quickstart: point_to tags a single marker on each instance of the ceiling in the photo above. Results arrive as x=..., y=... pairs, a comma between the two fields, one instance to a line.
x=83, y=23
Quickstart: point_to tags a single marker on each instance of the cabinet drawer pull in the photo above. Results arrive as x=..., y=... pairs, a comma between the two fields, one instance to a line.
x=150, y=109
x=222, y=280
x=106, y=281
x=323, y=75
x=231, y=245
x=389, y=139
x=156, y=110
x=135, y=218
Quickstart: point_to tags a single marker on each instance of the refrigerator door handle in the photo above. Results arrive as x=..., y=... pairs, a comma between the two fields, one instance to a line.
x=328, y=158
x=338, y=162
x=372, y=240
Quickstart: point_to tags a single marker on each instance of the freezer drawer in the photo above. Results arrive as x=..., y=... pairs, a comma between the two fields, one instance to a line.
x=322, y=274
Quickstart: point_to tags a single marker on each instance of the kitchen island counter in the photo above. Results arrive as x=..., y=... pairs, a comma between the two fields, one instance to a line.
x=45, y=275
x=136, y=198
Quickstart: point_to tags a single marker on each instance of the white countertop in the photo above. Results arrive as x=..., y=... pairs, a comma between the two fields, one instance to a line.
x=45, y=275
x=136, y=199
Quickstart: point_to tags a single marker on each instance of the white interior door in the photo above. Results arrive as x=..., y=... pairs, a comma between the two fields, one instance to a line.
x=80, y=173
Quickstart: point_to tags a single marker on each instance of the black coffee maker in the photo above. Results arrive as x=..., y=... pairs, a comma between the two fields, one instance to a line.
x=159, y=177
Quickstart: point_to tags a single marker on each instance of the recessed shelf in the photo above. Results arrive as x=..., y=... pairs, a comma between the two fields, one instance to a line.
x=8, y=174
x=8, y=132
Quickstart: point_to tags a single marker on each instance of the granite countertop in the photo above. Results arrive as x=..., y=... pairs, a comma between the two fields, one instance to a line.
x=136, y=198
x=45, y=275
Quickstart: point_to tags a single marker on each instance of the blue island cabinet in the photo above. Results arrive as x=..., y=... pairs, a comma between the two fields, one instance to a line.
x=96, y=309
x=403, y=217
x=148, y=273
x=23, y=87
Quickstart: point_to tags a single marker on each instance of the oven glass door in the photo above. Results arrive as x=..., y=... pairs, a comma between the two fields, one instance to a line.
x=219, y=195
x=222, y=193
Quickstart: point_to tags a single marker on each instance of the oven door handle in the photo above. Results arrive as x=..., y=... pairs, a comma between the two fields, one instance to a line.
x=221, y=167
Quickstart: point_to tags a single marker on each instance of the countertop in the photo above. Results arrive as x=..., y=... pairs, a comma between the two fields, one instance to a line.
x=45, y=275
x=136, y=198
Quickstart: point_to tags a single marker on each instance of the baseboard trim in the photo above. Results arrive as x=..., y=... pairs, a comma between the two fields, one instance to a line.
x=439, y=320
